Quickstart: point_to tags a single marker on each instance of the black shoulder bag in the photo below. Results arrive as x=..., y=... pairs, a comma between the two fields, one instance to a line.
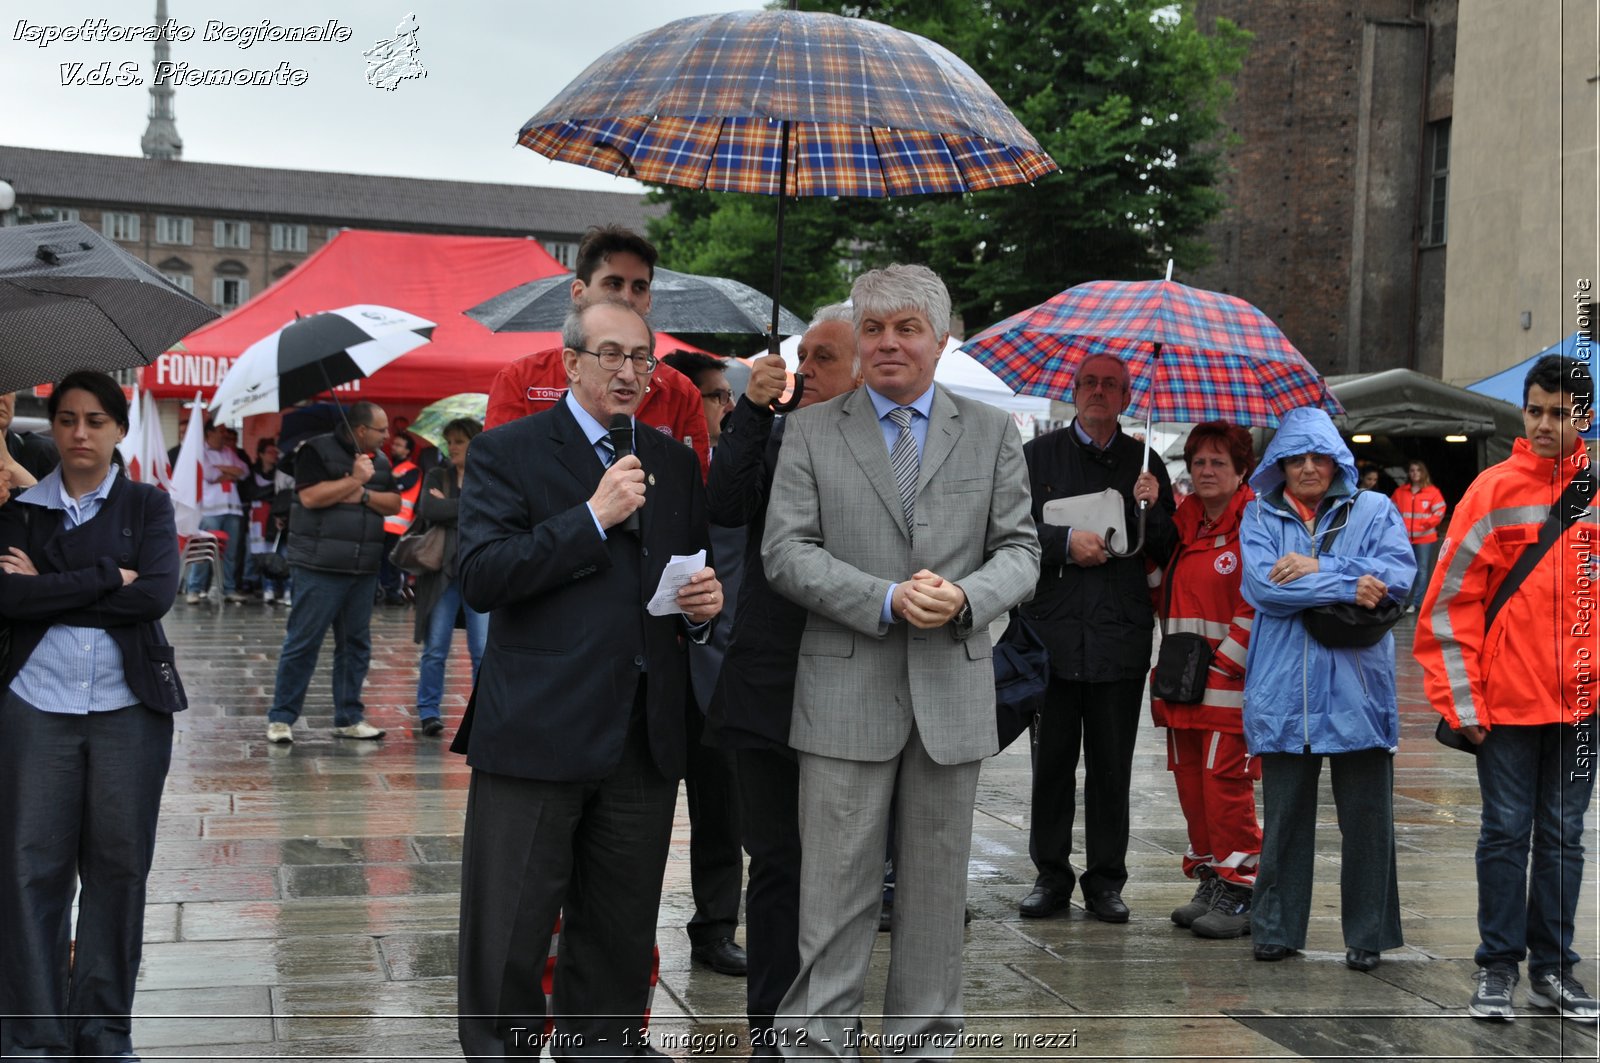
x=1184, y=660
x=1346, y=625
x=1563, y=515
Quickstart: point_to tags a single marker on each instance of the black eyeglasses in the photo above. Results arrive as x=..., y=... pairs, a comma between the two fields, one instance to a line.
x=611, y=360
x=724, y=396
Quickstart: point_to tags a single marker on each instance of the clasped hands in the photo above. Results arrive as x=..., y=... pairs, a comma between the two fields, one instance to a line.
x=927, y=600
x=1370, y=590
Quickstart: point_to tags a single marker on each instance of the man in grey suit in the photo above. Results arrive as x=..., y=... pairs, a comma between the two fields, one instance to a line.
x=900, y=519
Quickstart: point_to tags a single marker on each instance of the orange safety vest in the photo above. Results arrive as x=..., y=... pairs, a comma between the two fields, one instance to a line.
x=1423, y=512
x=399, y=522
x=1537, y=665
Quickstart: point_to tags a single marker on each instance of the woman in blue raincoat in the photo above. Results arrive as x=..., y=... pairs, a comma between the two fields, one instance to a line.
x=1304, y=701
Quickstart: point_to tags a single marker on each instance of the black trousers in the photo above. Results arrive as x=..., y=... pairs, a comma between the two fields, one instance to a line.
x=79, y=797
x=716, y=866
x=593, y=853
x=769, y=788
x=1100, y=721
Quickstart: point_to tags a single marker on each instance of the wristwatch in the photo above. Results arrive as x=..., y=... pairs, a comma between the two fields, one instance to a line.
x=964, y=617
x=365, y=494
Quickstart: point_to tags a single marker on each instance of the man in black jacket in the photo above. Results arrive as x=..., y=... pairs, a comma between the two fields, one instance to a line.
x=1094, y=612
x=343, y=490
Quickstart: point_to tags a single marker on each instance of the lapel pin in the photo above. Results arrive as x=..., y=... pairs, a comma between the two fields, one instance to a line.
x=650, y=478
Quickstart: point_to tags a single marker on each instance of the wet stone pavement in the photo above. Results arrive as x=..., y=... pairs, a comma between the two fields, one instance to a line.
x=304, y=900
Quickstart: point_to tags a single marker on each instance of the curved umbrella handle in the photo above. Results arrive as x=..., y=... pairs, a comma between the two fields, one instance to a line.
x=793, y=401
x=1144, y=512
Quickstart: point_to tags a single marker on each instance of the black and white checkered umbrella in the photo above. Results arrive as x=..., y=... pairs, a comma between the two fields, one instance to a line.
x=316, y=354
x=71, y=299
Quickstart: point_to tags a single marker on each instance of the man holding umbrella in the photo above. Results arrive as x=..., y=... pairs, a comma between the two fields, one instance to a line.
x=1093, y=610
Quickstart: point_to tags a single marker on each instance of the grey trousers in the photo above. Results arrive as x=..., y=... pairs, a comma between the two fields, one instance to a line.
x=1369, y=891
x=844, y=824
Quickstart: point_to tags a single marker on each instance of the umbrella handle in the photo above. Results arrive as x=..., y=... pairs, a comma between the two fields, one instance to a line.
x=792, y=403
x=1144, y=512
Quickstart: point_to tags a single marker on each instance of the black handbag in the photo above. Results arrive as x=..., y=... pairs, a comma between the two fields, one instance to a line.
x=1346, y=625
x=1184, y=660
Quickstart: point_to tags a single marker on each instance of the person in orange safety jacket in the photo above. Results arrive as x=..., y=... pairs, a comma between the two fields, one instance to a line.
x=1520, y=687
x=1422, y=507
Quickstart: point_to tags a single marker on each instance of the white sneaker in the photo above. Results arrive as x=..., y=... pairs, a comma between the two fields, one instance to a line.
x=280, y=733
x=192, y=598
x=358, y=730
x=1559, y=991
x=268, y=597
x=287, y=601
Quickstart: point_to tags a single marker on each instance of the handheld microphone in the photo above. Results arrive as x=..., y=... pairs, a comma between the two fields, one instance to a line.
x=621, y=432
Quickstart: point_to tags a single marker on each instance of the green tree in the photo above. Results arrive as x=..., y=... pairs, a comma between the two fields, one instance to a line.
x=1125, y=95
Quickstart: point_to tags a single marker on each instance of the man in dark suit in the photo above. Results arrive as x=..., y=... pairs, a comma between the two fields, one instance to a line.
x=716, y=865
x=575, y=730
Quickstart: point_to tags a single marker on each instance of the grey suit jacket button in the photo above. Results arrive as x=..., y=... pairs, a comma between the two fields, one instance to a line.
x=638, y=661
x=644, y=551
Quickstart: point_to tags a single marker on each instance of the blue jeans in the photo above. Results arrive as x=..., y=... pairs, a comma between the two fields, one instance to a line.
x=200, y=574
x=323, y=600
x=1536, y=784
x=441, y=626
x=1425, y=554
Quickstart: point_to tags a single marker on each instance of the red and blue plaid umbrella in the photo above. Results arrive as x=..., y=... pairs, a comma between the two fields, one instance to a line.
x=788, y=103
x=871, y=111
x=1192, y=355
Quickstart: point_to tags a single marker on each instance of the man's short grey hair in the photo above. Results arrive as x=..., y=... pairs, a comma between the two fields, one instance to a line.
x=839, y=312
x=893, y=289
x=572, y=327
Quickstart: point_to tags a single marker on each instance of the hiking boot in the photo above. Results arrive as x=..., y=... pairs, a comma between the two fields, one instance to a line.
x=1200, y=903
x=1559, y=991
x=1492, y=999
x=1229, y=915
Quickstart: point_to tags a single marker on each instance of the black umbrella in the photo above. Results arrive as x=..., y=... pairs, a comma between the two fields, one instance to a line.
x=679, y=302
x=71, y=299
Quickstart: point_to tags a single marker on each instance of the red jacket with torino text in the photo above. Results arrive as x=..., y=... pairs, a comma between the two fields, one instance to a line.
x=1536, y=664
x=671, y=405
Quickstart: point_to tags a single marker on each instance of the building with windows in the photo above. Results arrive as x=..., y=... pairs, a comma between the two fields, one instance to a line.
x=226, y=232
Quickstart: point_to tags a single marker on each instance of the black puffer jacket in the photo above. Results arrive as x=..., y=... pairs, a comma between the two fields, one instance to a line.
x=1097, y=622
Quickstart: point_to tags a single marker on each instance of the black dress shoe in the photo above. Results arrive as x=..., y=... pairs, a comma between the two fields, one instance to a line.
x=1272, y=953
x=1107, y=907
x=723, y=956
x=432, y=726
x=1044, y=902
x=1360, y=959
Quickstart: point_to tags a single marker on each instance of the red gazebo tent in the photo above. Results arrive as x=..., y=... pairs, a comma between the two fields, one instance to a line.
x=436, y=277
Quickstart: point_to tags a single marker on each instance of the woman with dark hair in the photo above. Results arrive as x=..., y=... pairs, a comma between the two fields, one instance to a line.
x=88, y=566
x=439, y=603
x=1311, y=539
x=1214, y=772
x=1421, y=506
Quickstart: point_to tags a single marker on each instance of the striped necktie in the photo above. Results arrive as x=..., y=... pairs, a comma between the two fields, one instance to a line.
x=608, y=453
x=903, y=460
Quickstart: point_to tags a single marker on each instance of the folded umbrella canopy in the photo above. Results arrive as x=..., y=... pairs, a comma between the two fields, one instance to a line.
x=679, y=302
x=316, y=354
x=71, y=299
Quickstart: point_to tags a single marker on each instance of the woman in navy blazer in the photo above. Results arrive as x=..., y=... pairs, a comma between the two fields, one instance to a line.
x=88, y=566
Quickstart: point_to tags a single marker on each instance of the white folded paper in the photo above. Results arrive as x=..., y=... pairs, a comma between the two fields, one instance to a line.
x=665, y=600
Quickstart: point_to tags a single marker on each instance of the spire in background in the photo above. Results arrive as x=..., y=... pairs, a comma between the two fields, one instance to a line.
x=161, y=140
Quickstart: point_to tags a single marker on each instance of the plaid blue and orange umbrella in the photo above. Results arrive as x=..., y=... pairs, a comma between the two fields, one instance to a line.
x=788, y=103
x=1192, y=355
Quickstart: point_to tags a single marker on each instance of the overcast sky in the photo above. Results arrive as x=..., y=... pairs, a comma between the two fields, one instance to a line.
x=490, y=65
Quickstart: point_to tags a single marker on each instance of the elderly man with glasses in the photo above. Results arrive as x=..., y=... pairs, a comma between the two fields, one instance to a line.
x=575, y=732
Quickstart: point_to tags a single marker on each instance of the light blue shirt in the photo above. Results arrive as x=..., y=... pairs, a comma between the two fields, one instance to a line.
x=923, y=406
x=594, y=432
x=73, y=670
